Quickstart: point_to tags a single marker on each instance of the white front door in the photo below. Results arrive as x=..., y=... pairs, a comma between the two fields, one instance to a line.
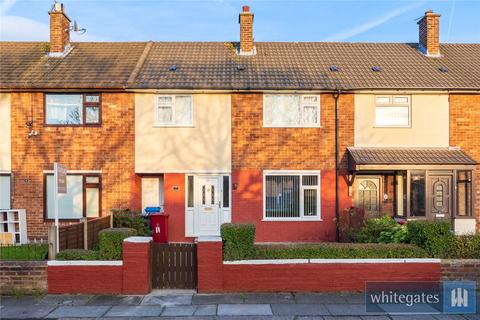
x=208, y=205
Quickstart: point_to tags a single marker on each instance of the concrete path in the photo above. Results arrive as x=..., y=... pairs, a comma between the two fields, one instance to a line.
x=187, y=305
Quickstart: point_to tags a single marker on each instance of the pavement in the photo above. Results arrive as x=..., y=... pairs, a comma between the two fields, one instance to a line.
x=189, y=305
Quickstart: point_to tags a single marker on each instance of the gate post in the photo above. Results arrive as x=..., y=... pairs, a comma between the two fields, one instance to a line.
x=210, y=264
x=136, y=265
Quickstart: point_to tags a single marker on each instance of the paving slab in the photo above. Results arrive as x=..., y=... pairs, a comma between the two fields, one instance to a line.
x=448, y=317
x=79, y=311
x=413, y=317
x=253, y=318
x=350, y=310
x=217, y=298
x=320, y=298
x=110, y=300
x=20, y=300
x=355, y=297
x=167, y=300
x=176, y=311
x=244, y=310
x=65, y=300
x=300, y=309
x=472, y=316
x=268, y=298
x=25, y=312
x=205, y=310
x=134, y=311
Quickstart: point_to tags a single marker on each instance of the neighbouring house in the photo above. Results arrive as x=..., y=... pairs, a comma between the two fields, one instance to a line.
x=262, y=132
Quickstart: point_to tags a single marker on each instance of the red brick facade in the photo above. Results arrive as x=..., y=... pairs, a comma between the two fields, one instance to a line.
x=465, y=133
x=109, y=148
x=255, y=148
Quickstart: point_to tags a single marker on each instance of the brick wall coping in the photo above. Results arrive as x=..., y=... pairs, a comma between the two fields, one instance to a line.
x=138, y=239
x=334, y=261
x=461, y=261
x=209, y=239
x=22, y=263
x=85, y=263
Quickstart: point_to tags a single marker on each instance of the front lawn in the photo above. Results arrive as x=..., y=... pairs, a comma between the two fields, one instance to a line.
x=24, y=252
x=331, y=250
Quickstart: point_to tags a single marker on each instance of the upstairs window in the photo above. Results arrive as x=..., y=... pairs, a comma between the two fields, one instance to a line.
x=174, y=111
x=392, y=111
x=72, y=109
x=291, y=110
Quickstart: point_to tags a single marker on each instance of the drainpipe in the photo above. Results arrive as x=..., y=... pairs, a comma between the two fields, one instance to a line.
x=336, y=95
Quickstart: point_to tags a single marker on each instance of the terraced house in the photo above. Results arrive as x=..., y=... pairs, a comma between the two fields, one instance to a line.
x=284, y=135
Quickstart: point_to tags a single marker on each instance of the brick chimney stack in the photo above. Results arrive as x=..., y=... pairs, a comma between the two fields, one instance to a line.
x=246, y=31
x=59, y=30
x=429, y=34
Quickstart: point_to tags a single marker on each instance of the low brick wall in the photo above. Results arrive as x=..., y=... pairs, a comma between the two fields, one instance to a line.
x=23, y=277
x=455, y=269
x=130, y=276
x=317, y=275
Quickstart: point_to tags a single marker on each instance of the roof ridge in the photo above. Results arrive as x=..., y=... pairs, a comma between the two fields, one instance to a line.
x=140, y=62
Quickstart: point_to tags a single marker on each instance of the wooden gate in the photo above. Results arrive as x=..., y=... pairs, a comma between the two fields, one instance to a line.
x=174, y=265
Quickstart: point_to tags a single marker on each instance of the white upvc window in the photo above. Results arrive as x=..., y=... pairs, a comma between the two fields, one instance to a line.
x=291, y=195
x=392, y=111
x=152, y=192
x=174, y=110
x=5, y=189
x=291, y=110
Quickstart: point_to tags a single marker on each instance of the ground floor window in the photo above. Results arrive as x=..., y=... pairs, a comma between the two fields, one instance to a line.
x=152, y=192
x=5, y=184
x=291, y=195
x=83, y=197
x=464, y=193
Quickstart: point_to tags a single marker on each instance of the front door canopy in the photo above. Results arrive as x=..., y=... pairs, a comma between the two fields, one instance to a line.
x=408, y=158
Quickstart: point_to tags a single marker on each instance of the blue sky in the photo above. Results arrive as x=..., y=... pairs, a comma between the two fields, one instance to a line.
x=356, y=21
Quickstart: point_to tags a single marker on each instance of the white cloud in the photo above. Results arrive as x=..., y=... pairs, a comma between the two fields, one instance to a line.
x=372, y=23
x=16, y=28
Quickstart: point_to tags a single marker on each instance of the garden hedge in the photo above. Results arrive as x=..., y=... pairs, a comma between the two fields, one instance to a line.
x=238, y=241
x=110, y=242
x=435, y=237
x=78, y=254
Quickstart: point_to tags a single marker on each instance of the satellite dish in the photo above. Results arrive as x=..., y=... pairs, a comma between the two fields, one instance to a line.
x=76, y=29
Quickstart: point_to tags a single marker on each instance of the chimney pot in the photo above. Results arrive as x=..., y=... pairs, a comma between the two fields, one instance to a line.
x=429, y=34
x=246, y=32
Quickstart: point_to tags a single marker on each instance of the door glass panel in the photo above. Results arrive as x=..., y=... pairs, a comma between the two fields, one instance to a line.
x=368, y=195
x=203, y=194
x=190, y=192
x=464, y=193
x=226, y=191
x=417, y=194
x=213, y=194
x=401, y=194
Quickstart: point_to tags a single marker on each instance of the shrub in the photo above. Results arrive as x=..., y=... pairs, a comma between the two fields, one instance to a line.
x=77, y=254
x=398, y=234
x=433, y=236
x=340, y=251
x=465, y=247
x=24, y=252
x=238, y=241
x=350, y=223
x=374, y=227
x=110, y=242
x=126, y=218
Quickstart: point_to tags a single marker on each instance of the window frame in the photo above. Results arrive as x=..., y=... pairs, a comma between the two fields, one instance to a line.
x=84, y=107
x=9, y=175
x=85, y=185
x=392, y=104
x=469, y=184
x=156, y=122
x=302, y=105
x=299, y=173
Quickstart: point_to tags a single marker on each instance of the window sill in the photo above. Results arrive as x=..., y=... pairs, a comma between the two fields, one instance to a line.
x=392, y=127
x=298, y=127
x=292, y=219
x=172, y=126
